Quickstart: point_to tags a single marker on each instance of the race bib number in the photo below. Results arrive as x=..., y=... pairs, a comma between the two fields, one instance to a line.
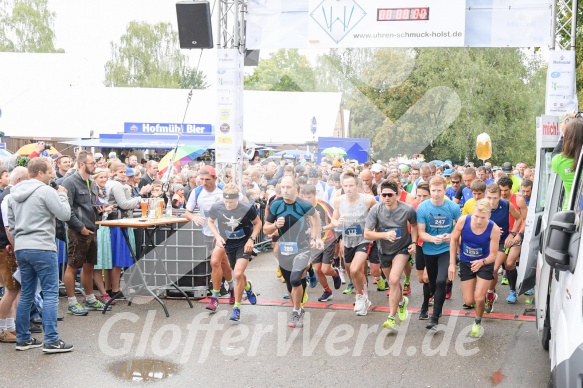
x=398, y=231
x=475, y=253
x=235, y=235
x=288, y=248
x=439, y=222
x=353, y=231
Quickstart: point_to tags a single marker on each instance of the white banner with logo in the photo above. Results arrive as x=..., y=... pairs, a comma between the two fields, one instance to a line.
x=561, y=95
x=349, y=23
x=275, y=24
x=229, y=132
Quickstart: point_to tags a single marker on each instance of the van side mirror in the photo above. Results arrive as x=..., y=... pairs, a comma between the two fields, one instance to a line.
x=557, y=252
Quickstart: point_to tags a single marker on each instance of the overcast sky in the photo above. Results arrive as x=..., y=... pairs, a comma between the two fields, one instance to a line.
x=86, y=28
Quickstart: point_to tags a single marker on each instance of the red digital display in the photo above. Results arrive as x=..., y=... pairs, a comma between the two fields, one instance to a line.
x=400, y=14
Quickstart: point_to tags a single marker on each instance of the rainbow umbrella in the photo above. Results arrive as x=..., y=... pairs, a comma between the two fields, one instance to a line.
x=184, y=155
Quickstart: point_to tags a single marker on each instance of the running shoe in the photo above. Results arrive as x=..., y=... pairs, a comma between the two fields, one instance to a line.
x=104, y=298
x=349, y=289
x=326, y=296
x=529, y=292
x=57, y=347
x=285, y=296
x=337, y=280
x=511, y=297
x=1, y=292
x=432, y=325
x=381, y=284
x=358, y=303
x=504, y=281
x=96, y=305
x=313, y=280
x=477, y=330
x=374, y=280
x=342, y=276
x=278, y=272
x=236, y=315
x=232, y=295
x=423, y=314
x=366, y=305
x=430, y=302
x=489, y=304
x=390, y=323
x=304, y=298
x=403, y=313
x=406, y=288
x=468, y=307
x=295, y=320
x=213, y=304
x=30, y=344
x=448, y=290
x=251, y=297
x=500, y=270
x=77, y=309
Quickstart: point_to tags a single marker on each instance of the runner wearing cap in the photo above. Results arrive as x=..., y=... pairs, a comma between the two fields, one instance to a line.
x=237, y=226
x=378, y=173
x=203, y=198
x=516, y=181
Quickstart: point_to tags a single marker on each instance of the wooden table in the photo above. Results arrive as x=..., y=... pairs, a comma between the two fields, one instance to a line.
x=150, y=227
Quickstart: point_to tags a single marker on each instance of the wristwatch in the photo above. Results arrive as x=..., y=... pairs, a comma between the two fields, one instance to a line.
x=484, y=262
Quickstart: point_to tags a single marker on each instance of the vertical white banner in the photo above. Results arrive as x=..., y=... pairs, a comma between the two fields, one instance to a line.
x=229, y=132
x=561, y=94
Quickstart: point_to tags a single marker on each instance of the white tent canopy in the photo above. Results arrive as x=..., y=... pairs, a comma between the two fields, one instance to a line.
x=44, y=96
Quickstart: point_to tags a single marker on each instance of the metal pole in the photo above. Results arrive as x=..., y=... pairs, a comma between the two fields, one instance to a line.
x=573, y=23
x=554, y=25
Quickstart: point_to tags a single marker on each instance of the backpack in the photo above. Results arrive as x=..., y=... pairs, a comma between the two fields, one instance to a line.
x=198, y=190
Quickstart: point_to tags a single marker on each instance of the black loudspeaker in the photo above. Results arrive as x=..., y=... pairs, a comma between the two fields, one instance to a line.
x=194, y=25
x=251, y=58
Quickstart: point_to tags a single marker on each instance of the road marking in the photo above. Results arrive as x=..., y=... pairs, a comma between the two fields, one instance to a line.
x=338, y=306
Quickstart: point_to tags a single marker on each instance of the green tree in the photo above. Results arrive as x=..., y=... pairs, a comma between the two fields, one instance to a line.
x=26, y=26
x=436, y=101
x=284, y=70
x=149, y=56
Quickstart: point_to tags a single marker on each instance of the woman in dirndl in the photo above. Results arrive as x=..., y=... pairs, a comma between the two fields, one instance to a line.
x=119, y=194
x=102, y=270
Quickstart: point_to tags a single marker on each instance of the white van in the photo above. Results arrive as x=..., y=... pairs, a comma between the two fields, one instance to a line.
x=549, y=262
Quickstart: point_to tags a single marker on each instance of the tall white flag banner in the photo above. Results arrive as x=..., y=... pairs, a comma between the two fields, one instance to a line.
x=229, y=132
x=561, y=94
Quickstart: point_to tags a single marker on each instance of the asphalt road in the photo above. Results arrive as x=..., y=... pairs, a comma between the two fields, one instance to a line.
x=193, y=348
